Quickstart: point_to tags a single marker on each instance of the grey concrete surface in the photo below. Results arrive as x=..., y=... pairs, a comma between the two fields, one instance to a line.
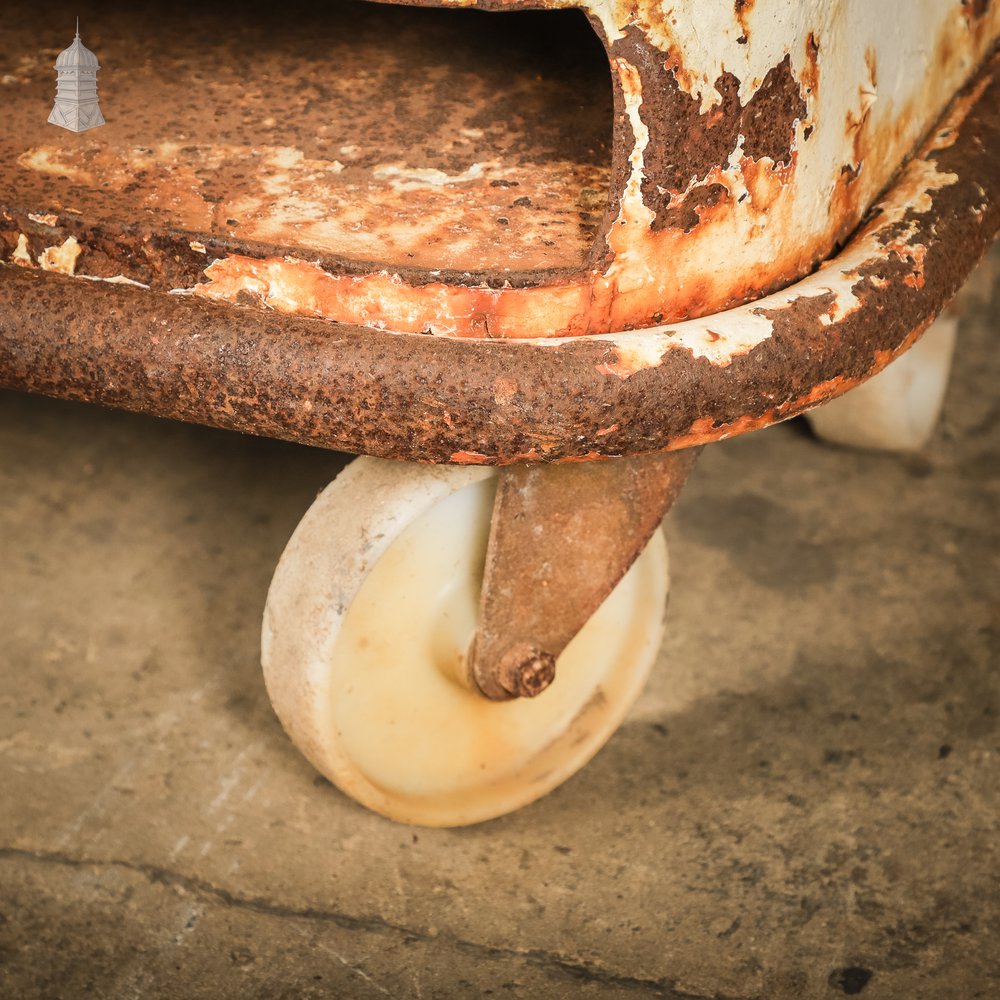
x=804, y=803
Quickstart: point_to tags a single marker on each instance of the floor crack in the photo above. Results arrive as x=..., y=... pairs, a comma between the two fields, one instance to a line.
x=572, y=968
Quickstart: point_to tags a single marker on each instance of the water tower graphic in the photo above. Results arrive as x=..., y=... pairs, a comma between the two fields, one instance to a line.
x=76, y=106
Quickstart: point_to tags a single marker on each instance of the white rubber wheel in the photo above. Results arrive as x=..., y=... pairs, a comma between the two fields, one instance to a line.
x=898, y=409
x=368, y=617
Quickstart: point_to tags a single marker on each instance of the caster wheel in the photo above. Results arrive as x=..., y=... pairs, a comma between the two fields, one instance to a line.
x=368, y=619
x=898, y=409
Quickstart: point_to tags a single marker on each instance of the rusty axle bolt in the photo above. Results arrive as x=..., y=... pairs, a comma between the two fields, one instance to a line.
x=525, y=671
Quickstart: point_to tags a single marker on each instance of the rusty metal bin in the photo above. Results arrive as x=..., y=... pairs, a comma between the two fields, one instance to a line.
x=523, y=235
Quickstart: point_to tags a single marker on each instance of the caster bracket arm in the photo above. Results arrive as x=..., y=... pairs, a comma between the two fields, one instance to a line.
x=561, y=538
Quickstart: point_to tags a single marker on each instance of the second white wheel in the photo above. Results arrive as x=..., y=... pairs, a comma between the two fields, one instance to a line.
x=898, y=409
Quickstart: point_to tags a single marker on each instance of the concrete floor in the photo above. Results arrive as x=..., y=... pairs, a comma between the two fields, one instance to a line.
x=804, y=803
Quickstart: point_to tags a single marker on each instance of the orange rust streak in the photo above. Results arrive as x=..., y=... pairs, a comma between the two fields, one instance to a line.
x=669, y=272
x=871, y=62
x=651, y=270
x=742, y=9
x=468, y=458
x=534, y=455
x=705, y=430
x=947, y=131
x=765, y=179
x=591, y=456
x=810, y=73
x=384, y=301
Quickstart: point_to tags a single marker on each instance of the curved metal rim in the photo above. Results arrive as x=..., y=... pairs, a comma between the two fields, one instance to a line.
x=499, y=402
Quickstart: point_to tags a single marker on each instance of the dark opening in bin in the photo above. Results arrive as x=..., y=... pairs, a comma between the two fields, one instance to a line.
x=379, y=135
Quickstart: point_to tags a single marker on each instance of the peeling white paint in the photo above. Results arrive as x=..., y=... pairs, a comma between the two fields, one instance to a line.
x=21, y=255
x=632, y=206
x=118, y=279
x=725, y=336
x=61, y=259
x=408, y=178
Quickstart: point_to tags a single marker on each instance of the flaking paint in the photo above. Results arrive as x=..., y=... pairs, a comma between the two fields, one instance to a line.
x=770, y=221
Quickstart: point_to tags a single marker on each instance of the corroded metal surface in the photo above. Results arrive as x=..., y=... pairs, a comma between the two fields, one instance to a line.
x=748, y=141
x=561, y=539
x=346, y=133
x=443, y=399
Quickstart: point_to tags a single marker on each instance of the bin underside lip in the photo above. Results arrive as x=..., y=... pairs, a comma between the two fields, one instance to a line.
x=498, y=402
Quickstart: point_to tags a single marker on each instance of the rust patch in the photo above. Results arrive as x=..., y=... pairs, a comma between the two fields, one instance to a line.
x=810, y=73
x=688, y=211
x=742, y=9
x=810, y=85
x=768, y=120
x=975, y=9
x=685, y=147
x=505, y=390
x=385, y=301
